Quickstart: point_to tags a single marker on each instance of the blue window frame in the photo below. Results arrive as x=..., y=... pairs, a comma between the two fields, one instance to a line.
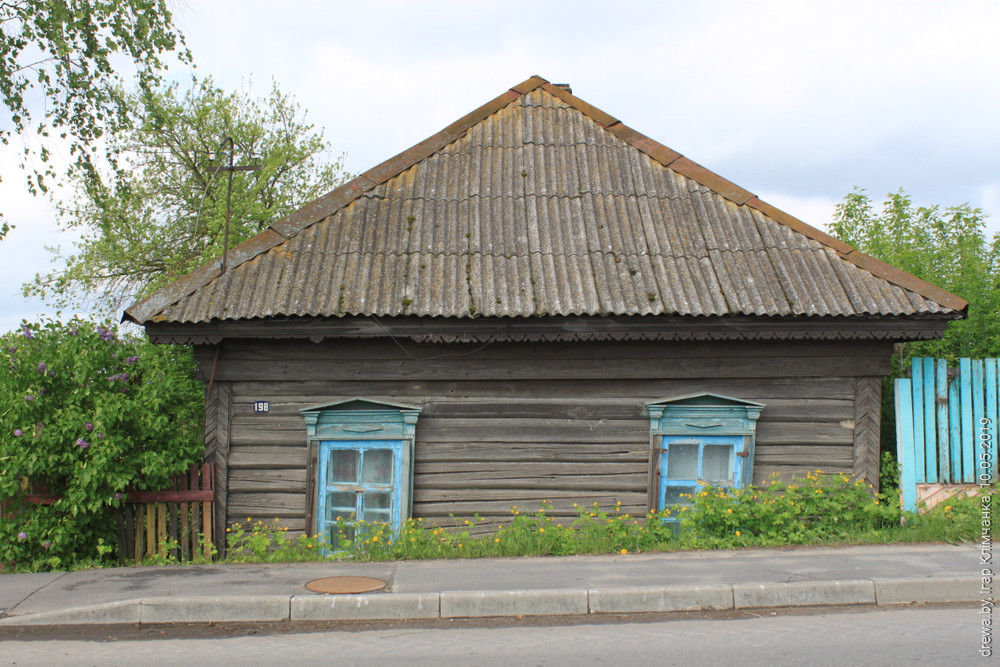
x=689, y=462
x=360, y=463
x=699, y=439
x=359, y=480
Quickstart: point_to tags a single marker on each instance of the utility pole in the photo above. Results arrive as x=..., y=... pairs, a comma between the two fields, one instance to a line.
x=229, y=190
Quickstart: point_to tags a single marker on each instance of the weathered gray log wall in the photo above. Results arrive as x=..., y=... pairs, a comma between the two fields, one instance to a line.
x=520, y=423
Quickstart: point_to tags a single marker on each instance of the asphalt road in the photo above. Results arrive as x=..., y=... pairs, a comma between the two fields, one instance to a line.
x=941, y=635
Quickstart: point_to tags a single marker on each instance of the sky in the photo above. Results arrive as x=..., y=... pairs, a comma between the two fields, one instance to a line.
x=796, y=101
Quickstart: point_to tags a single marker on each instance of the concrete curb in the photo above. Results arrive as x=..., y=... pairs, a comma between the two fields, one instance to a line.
x=477, y=604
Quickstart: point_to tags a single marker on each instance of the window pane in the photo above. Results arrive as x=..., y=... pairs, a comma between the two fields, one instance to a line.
x=672, y=495
x=378, y=466
x=682, y=461
x=377, y=507
x=717, y=465
x=343, y=466
x=340, y=503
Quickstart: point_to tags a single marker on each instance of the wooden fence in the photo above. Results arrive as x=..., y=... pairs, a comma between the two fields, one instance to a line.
x=946, y=426
x=180, y=517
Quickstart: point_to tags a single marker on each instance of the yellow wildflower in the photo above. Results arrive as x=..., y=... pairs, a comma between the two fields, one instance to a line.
x=624, y=551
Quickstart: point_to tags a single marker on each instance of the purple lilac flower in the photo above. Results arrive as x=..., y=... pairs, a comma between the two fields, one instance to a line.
x=29, y=398
x=22, y=536
x=52, y=374
x=100, y=436
x=88, y=426
x=106, y=334
x=118, y=496
x=18, y=433
x=46, y=544
x=28, y=333
x=83, y=444
x=74, y=332
x=132, y=360
x=41, y=368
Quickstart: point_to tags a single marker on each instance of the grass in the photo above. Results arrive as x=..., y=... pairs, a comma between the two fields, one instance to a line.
x=818, y=510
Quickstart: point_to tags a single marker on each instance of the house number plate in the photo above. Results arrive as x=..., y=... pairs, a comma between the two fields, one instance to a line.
x=262, y=406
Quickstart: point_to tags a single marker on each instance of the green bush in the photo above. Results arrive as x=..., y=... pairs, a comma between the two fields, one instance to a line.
x=817, y=508
x=89, y=412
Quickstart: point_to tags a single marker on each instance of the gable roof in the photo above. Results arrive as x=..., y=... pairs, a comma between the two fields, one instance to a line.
x=539, y=204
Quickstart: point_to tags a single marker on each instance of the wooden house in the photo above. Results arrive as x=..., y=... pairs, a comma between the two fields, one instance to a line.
x=537, y=303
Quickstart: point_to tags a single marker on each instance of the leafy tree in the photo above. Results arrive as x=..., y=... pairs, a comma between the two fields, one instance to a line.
x=90, y=413
x=57, y=73
x=163, y=212
x=949, y=248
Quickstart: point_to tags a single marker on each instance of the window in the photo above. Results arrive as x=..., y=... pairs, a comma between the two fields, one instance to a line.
x=688, y=462
x=361, y=463
x=362, y=480
x=699, y=439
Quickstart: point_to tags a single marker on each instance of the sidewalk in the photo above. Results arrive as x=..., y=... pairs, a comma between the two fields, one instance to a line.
x=680, y=581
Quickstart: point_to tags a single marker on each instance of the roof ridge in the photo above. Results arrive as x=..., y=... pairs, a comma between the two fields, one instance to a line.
x=324, y=206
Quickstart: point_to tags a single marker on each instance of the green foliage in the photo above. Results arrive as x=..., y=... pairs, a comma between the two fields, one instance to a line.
x=948, y=248
x=163, y=213
x=818, y=508
x=68, y=50
x=88, y=412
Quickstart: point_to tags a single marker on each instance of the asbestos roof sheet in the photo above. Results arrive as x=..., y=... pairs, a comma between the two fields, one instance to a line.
x=538, y=204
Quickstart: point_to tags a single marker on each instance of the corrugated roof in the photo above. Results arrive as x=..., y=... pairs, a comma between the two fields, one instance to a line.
x=538, y=204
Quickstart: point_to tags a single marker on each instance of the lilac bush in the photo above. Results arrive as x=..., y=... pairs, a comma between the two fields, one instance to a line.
x=89, y=411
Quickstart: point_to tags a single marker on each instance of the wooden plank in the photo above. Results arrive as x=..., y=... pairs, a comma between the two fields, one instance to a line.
x=917, y=387
x=595, y=368
x=285, y=415
x=930, y=428
x=267, y=457
x=306, y=393
x=800, y=433
x=955, y=428
x=140, y=531
x=272, y=352
x=167, y=496
x=526, y=452
x=161, y=526
x=968, y=427
x=972, y=450
x=992, y=396
x=130, y=539
x=941, y=413
x=806, y=456
x=267, y=505
x=867, y=430
x=150, y=530
x=906, y=443
x=209, y=537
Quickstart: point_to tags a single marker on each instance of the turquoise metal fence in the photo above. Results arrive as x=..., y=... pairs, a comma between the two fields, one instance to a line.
x=946, y=424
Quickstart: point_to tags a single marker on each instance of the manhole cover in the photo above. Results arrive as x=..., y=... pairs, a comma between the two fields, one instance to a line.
x=344, y=585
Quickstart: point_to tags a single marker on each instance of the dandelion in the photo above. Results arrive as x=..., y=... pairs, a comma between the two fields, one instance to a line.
x=82, y=444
